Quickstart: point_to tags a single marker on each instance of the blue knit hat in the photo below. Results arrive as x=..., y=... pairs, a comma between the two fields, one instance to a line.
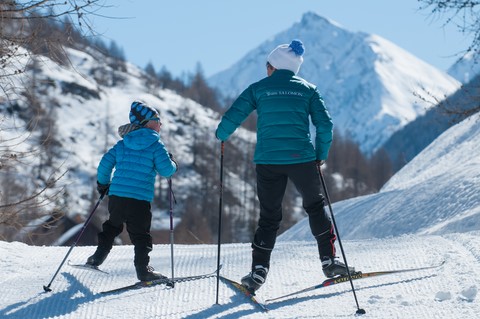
x=141, y=113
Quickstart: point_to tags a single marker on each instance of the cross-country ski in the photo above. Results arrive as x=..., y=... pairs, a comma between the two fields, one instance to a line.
x=355, y=276
x=164, y=281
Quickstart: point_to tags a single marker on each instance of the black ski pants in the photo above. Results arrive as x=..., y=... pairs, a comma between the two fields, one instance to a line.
x=137, y=216
x=271, y=185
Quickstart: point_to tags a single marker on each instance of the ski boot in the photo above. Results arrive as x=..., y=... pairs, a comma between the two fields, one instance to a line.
x=147, y=273
x=97, y=258
x=255, y=279
x=332, y=267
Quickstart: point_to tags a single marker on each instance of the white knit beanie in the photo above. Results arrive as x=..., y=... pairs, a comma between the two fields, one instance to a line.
x=287, y=56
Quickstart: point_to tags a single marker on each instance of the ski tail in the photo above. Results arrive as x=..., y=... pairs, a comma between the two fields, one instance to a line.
x=164, y=281
x=354, y=276
x=388, y=272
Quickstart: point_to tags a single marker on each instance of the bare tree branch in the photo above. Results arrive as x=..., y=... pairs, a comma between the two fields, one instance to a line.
x=29, y=31
x=464, y=14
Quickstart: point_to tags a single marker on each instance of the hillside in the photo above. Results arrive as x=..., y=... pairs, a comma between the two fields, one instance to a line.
x=436, y=193
x=77, y=108
x=406, y=143
x=466, y=68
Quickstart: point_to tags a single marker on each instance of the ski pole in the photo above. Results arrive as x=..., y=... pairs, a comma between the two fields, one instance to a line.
x=220, y=205
x=359, y=310
x=47, y=288
x=171, y=197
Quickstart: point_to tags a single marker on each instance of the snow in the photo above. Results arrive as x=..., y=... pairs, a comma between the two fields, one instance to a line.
x=447, y=292
x=466, y=68
x=426, y=214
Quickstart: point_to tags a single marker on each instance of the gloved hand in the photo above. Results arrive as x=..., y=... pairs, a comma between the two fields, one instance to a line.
x=102, y=188
x=216, y=136
x=320, y=162
x=173, y=159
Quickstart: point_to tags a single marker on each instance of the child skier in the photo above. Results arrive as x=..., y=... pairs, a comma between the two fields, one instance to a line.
x=137, y=159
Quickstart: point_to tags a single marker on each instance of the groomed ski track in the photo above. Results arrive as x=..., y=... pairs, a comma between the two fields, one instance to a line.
x=447, y=292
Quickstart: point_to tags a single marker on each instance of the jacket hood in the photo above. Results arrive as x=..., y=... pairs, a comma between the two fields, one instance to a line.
x=141, y=138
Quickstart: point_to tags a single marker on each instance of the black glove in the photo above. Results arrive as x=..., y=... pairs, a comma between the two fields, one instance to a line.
x=173, y=159
x=102, y=189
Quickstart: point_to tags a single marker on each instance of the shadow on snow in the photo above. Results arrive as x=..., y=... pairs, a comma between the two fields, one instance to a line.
x=51, y=304
x=46, y=305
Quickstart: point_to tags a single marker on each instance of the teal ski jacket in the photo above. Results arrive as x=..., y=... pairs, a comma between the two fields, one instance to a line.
x=284, y=103
x=137, y=159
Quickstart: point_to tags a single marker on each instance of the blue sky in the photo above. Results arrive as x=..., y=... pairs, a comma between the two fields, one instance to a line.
x=217, y=33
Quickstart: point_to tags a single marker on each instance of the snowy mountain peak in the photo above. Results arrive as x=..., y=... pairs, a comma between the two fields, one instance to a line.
x=313, y=20
x=370, y=85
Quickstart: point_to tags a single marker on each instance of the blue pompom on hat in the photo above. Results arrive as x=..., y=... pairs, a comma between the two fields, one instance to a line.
x=287, y=56
x=141, y=113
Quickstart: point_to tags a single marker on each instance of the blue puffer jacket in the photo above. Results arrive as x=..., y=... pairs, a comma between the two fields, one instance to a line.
x=284, y=102
x=136, y=159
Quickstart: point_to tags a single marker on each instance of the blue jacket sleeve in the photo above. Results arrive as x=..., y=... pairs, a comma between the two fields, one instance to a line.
x=163, y=163
x=105, y=167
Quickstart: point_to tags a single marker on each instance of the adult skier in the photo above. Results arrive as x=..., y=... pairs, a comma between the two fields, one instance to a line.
x=284, y=103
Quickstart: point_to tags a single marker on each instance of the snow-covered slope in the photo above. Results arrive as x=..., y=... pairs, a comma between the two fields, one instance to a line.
x=450, y=291
x=414, y=137
x=466, y=68
x=368, y=83
x=437, y=192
